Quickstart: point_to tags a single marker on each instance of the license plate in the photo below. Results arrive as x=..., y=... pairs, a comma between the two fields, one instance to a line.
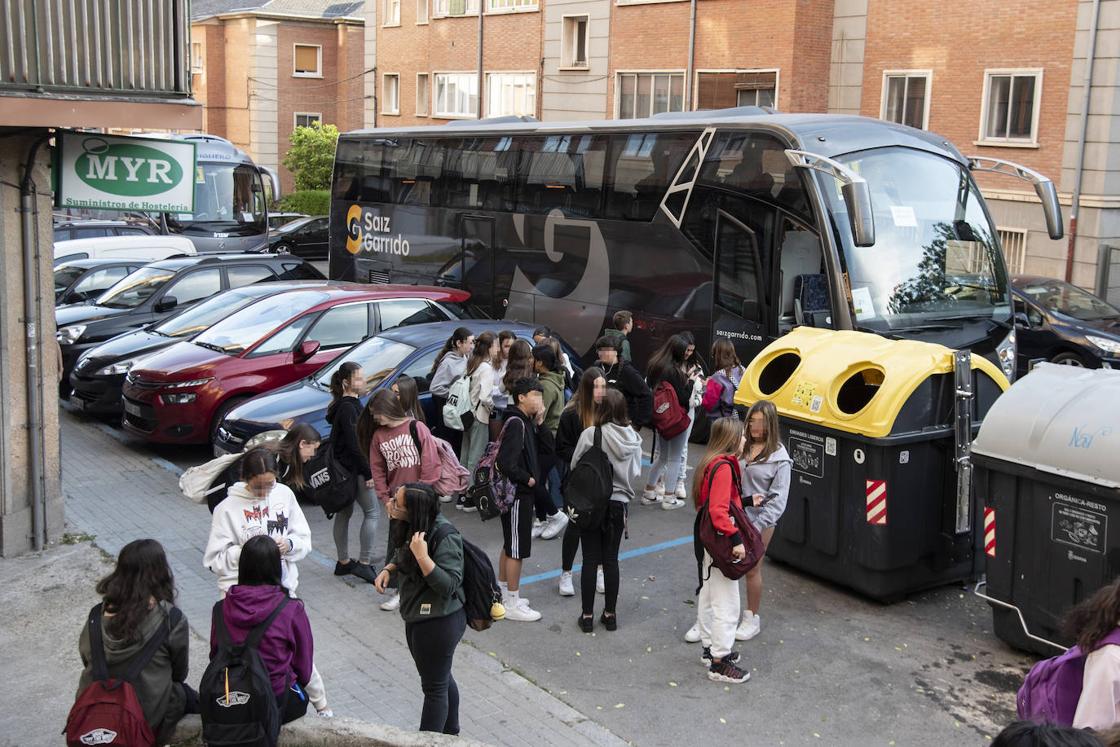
x=77, y=403
x=131, y=409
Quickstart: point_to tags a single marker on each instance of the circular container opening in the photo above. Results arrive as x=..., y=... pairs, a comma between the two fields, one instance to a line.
x=858, y=389
x=776, y=373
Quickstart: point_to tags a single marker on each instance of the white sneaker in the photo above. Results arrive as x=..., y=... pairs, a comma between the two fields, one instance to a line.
x=672, y=502
x=519, y=610
x=650, y=497
x=392, y=604
x=567, y=588
x=661, y=486
x=600, y=583
x=681, y=492
x=325, y=713
x=446, y=498
x=554, y=525
x=538, y=527
x=749, y=626
x=693, y=634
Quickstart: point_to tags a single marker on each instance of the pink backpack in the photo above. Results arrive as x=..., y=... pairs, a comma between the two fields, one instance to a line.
x=1052, y=688
x=453, y=476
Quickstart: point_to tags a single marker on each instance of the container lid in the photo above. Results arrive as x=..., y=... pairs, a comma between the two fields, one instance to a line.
x=851, y=381
x=1058, y=419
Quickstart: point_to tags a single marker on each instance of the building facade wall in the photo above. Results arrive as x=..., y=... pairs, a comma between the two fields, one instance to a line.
x=575, y=94
x=849, y=38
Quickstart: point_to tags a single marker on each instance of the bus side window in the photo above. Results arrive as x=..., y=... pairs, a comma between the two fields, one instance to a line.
x=642, y=168
x=799, y=256
x=738, y=269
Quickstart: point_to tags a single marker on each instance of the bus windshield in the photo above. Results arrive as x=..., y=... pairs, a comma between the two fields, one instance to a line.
x=228, y=198
x=935, y=259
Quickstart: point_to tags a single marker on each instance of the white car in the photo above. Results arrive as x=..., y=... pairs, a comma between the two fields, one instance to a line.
x=144, y=248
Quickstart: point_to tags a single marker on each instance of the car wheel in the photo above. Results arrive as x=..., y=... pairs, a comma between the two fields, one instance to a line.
x=283, y=249
x=220, y=415
x=1069, y=359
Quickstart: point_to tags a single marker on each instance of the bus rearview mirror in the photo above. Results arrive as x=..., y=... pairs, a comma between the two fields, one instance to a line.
x=1048, y=195
x=857, y=198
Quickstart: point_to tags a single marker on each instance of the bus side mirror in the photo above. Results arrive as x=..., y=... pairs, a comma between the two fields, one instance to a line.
x=857, y=197
x=1048, y=195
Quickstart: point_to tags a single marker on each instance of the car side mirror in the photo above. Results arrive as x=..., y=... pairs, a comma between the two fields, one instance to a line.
x=167, y=303
x=306, y=349
x=1022, y=320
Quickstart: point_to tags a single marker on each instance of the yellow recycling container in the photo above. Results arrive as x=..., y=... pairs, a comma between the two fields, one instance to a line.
x=878, y=431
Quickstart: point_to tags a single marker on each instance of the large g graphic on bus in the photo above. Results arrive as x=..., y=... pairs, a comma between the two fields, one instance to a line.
x=354, y=229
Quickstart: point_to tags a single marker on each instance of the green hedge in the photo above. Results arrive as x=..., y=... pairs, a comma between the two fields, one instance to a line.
x=308, y=202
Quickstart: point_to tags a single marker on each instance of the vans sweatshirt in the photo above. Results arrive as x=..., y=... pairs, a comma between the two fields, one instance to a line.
x=241, y=516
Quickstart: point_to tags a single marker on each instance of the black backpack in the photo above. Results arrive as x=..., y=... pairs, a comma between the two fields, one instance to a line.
x=330, y=485
x=480, y=584
x=588, y=486
x=235, y=695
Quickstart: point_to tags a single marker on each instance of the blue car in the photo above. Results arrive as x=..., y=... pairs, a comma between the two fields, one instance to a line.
x=402, y=351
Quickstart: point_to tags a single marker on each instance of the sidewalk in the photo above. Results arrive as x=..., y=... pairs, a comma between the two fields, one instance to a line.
x=118, y=495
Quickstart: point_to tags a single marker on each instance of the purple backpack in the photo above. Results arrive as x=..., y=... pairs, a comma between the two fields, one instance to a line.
x=1052, y=688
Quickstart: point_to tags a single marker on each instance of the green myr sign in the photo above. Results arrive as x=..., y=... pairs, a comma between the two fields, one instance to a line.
x=112, y=172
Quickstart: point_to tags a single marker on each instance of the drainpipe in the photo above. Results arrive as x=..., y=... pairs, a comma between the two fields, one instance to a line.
x=1075, y=205
x=691, y=57
x=32, y=323
x=481, y=77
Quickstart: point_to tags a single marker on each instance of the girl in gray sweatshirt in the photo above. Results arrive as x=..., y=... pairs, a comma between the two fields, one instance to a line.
x=623, y=448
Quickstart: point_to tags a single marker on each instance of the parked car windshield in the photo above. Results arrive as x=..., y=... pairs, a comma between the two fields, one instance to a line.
x=241, y=330
x=135, y=289
x=201, y=316
x=378, y=357
x=935, y=256
x=1068, y=299
x=65, y=275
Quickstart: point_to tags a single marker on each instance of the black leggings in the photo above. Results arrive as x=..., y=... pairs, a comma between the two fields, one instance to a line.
x=432, y=645
x=600, y=547
x=569, y=547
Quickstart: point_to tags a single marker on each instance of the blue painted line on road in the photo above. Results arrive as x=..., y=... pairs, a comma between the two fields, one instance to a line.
x=635, y=553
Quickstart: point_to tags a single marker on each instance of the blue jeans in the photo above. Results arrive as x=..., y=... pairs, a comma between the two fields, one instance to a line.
x=668, y=461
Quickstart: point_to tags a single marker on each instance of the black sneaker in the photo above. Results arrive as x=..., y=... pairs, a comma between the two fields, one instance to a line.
x=469, y=506
x=706, y=657
x=726, y=671
x=365, y=572
x=344, y=569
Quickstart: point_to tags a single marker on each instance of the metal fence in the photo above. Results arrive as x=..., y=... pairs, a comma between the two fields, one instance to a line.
x=125, y=47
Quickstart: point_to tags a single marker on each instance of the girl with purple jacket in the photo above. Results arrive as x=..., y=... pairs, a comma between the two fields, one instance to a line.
x=287, y=648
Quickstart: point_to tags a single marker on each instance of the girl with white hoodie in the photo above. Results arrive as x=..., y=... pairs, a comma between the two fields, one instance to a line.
x=623, y=448
x=259, y=504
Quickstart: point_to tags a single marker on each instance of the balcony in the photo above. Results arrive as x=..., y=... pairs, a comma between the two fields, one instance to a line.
x=131, y=49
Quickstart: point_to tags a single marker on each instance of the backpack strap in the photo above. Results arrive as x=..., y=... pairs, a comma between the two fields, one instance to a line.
x=217, y=619
x=153, y=645
x=437, y=535
x=97, y=645
x=254, y=638
x=598, y=440
x=415, y=437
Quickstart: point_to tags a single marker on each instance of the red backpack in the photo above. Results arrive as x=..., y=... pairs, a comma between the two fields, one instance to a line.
x=108, y=711
x=705, y=536
x=669, y=418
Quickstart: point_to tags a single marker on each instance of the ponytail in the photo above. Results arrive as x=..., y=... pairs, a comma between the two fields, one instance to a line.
x=459, y=335
x=339, y=378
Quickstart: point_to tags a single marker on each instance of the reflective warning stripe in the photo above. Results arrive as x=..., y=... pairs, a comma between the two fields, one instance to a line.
x=990, y=531
x=876, y=502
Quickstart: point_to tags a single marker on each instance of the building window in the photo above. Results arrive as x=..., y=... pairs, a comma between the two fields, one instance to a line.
x=455, y=8
x=574, y=42
x=500, y=5
x=723, y=90
x=644, y=94
x=392, y=13
x=308, y=119
x=421, y=11
x=196, y=57
x=423, y=95
x=905, y=98
x=456, y=95
x=1014, y=243
x=391, y=93
x=308, y=60
x=511, y=94
x=1010, y=108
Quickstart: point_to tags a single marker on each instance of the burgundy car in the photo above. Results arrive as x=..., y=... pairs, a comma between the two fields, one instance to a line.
x=181, y=394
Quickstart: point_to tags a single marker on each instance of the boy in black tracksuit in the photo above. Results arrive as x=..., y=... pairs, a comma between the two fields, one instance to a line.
x=518, y=459
x=622, y=375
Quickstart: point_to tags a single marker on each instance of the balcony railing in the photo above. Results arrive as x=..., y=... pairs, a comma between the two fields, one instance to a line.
x=112, y=47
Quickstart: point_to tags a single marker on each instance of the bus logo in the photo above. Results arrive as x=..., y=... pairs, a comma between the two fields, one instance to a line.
x=354, y=229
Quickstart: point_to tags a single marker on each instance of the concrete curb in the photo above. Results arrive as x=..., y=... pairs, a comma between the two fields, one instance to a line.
x=335, y=732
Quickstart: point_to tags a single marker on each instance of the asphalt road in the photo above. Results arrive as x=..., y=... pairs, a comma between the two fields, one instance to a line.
x=828, y=667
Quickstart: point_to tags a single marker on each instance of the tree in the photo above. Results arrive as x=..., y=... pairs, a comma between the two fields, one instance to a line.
x=311, y=157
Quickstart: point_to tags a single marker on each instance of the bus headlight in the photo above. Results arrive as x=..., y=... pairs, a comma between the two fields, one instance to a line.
x=1006, y=351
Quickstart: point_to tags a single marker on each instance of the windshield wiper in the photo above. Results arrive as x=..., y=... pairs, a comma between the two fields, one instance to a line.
x=212, y=346
x=880, y=332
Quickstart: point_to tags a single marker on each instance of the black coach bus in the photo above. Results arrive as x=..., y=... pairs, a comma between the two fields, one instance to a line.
x=742, y=223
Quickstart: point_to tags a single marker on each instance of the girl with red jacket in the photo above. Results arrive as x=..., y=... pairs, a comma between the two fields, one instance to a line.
x=401, y=450
x=716, y=484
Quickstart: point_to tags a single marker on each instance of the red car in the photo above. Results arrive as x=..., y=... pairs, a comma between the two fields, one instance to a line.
x=181, y=394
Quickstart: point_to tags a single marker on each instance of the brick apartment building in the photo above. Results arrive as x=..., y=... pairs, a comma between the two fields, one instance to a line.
x=956, y=69
x=261, y=67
